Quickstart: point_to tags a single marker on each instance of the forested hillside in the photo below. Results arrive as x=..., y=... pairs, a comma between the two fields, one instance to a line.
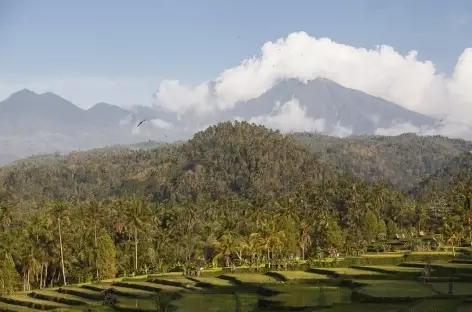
x=399, y=161
x=235, y=193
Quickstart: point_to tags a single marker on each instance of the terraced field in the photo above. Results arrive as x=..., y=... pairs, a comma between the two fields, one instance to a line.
x=390, y=269
x=328, y=289
x=346, y=272
x=292, y=276
x=395, y=289
x=248, y=278
x=300, y=296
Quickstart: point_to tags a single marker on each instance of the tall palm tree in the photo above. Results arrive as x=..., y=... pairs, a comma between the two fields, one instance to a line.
x=94, y=214
x=305, y=238
x=135, y=215
x=60, y=213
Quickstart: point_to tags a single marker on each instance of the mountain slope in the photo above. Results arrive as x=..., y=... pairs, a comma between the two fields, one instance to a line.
x=458, y=168
x=227, y=158
x=400, y=161
x=335, y=104
x=32, y=123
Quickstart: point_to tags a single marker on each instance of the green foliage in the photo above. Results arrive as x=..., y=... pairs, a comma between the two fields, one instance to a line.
x=236, y=193
x=106, y=257
x=9, y=277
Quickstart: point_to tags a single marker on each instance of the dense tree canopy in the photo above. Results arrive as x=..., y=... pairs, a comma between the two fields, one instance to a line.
x=236, y=193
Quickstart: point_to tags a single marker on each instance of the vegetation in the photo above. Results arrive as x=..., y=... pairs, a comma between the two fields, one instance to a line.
x=237, y=196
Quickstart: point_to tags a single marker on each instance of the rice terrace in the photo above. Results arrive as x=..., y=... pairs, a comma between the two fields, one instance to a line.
x=394, y=281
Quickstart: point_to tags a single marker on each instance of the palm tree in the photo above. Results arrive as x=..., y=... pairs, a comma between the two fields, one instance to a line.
x=94, y=214
x=305, y=238
x=59, y=212
x=272, y=238
x=225, y=244
x=134, y=215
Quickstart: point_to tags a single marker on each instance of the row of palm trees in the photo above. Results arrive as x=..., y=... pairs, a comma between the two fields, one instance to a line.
x=57, y=242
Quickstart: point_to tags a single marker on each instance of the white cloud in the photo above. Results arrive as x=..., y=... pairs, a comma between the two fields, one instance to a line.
x=290, y=117
x=155, y=127
x=381, y=72
x=161, y=124
x=449, y=129
x=126, y=121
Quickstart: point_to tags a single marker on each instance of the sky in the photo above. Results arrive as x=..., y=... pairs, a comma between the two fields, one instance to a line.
x=163, y=52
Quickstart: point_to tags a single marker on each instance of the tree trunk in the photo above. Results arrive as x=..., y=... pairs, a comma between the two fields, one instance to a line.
x=96, y=251
x=62, y=254
x=46, y=275
x=41, y=277
x=303, y=252
x=136, y=249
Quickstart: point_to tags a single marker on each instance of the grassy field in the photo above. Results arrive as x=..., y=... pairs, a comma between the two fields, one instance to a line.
x=393, y=269
x=248, y=278
x=331, y=288
x=216, y=302
x=311, y=296
x=296, y=275
x=392, y=288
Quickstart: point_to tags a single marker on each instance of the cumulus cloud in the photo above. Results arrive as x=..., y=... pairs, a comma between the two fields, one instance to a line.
x=380, y=71
x=449, y=129
x=290, y=117
x=161, y=124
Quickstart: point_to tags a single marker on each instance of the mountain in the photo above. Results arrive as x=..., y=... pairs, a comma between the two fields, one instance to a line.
x=335, y=104
x=32, y=123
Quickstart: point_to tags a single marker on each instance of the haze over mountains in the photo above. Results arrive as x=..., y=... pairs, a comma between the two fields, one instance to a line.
x=32, y=123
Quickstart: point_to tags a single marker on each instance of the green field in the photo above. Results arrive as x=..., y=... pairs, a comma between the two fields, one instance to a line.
x=330, y=290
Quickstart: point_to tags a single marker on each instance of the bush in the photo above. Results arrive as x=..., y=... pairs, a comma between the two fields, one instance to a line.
x=362, y=261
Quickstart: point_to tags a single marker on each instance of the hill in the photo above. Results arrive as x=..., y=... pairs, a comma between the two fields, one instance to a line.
x=229, y=158
x=399, y=161
x=458, y=170
x=32, y=123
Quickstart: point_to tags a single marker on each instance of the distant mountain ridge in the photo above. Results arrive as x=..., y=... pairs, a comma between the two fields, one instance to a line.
x=335, y=104
x=32, y=123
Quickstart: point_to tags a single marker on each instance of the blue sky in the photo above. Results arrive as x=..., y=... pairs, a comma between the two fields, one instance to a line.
x=193, y=41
